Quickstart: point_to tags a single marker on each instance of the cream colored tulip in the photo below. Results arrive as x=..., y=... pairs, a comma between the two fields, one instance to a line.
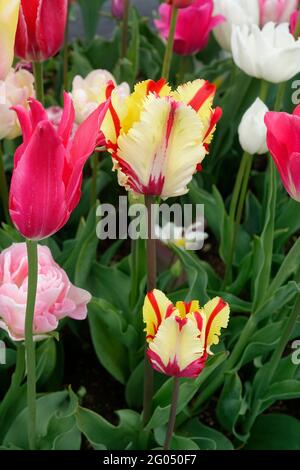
x=9, y=14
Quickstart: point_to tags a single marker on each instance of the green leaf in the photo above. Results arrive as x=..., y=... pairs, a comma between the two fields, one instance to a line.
x=46, y=361
x=230, y=402
x=288, y=268
x=284, y=390
x=275, y=432
x=206, y=438
x=90, y=14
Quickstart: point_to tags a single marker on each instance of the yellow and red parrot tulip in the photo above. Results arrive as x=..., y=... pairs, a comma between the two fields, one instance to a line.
x=180, y=336
x=159, y=137
x=9, y=13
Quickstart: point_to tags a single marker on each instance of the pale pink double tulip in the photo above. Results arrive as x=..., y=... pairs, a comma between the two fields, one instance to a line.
x=194, y=24
x=47, y=176
x=41, y=29
x=283, y=141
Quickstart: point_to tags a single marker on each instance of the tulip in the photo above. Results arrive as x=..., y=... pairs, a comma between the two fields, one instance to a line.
x=252, y=129
x=56, y=297
x=236, y=12
x=41, y=29
x=190, y=238
x=271, y=53
x=9, y=12
x=180, y=336
x=157, y=137
x=278, y=11
x=47, y=175
x=117, y=8
x=283, y=141
x=88, y=93
x=193, y=27
x=14, y=91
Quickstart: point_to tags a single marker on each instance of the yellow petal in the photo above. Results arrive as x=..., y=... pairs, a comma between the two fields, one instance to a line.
x=9, y=14
x=187, y=307
x=155, y=308
x=216, y=313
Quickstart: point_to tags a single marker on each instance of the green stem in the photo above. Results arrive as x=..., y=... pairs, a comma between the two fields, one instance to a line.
x=38, y=79
x=170, y=43
x=4, y=187
x=125, y=22
x=297, y=29
x=264, y=88
x=151, y=284
x=182, y=69
x=95, y=167
x=32, y=255
x=66, y=53
x=279, y=97
x=172, y=418
x=232, y=215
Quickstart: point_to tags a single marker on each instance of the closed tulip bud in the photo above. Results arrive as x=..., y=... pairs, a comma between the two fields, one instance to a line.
x=180, y=336
x=283, y=131
x=56, y=297
x=270, y=53
x=235, y=12
x=14, y=91
x=47, y=176
x=252, y=129
x=117, y=8
x=170, y=129
x=279, y=11
x=193, y=27
x=9, y=13
x=41, y=29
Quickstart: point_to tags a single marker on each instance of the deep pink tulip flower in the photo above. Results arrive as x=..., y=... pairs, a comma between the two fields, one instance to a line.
x=48, y=166
x=193, y=28
x=283, y=141
x=41, y=29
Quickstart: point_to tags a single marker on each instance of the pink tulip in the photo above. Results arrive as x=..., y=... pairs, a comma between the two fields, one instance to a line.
x=294, y=21
x=117, y=8
x=47, y=176
x=194, y=25
x=283, y=141
x=56, y=297
x=278, y=11
x=41, y=28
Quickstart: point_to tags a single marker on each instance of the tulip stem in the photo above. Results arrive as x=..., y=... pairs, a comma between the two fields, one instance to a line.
x=172, y=418
x=279, y=97
x=151, y=284
x=95, y=167
x=236, y=210
x=170, y=43
x=264, y=88
x=3, y=187
x=38, y=79
x=125, y=22
x=32, y=256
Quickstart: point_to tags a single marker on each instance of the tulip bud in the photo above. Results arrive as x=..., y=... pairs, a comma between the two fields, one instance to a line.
x=41, y=29
x=180, y=3
x=9, y=12
x=117, y=8
x=252, y=129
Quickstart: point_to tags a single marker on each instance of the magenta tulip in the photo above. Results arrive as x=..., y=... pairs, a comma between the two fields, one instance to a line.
x=194, y=24
x=41, y=29
x=117, y=8
x=47, y=175
x=283, y=141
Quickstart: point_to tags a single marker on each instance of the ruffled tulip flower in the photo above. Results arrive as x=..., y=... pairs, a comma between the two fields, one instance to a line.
x=41, y=29
x=158, y=137
x=14, y=91
x=270, y=53
x=56, y=297
x=278, y=11
x=9, y=13
x=235, y=12
x=193, y=27
x=47, y=175
x=252, y=129
x=117, y=8
x=283, y=141
x=87, y=93
x=180, y=336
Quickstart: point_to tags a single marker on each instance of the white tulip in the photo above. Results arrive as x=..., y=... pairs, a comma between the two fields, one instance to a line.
x=190, y=238
x=14, y=91
x=270, y=53
x=88, y=93
x=252, y=129
x=236, y=12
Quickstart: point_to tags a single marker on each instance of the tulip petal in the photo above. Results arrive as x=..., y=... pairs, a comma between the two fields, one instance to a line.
x=9, y=12
x=216, y=313
x=67, y=120
x=50, y=26
x=156, y=307
x=37, y=193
